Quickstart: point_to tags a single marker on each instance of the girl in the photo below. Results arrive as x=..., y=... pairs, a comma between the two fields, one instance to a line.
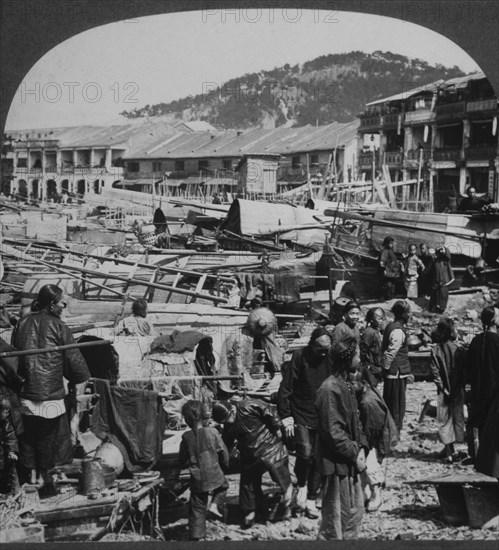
x=412, y=266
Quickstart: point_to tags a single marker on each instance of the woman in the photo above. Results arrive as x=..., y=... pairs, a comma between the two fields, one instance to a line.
x=46, y=440
x=482, y=373
x=442, y=277
x=390, y=267
x=136, y=324
x=447, y=361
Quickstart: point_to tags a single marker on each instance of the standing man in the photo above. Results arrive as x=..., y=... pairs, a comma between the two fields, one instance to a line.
x=370, y=345
x=428, y=259
x=396, y=364
x=256, y=428
x=307, y=370
x=442, y=278
x=349, y=326
x=342, y=447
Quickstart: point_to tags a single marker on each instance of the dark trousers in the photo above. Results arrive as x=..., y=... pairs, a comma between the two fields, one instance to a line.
x=394, y=396
x=389, y=287
x=305, y=467
x=45, y=443
x=250, y=485
x=438, y=299
x=9, y=480
x=342, y=508
x=198, y=506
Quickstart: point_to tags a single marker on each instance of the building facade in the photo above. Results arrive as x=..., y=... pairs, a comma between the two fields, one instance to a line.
x=443, y=136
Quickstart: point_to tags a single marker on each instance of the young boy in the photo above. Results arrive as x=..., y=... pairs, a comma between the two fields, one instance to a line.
x=204, y=452
x=9, y=483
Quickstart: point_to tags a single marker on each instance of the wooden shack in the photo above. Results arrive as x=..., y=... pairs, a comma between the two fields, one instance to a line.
x=258, y=174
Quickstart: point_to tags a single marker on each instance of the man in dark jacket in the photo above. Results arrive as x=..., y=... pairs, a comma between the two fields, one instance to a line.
x=301, y=379
x=396, y=366
x=256, y=428
x=342, y=447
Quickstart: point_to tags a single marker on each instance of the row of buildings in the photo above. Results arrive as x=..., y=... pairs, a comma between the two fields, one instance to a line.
x=442, y=136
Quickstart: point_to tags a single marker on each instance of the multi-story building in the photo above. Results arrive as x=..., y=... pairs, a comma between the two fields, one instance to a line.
x=82, y=159
x=178, y=163
x=443, y=135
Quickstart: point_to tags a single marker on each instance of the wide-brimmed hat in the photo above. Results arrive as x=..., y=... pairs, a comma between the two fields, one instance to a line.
x=261, y=322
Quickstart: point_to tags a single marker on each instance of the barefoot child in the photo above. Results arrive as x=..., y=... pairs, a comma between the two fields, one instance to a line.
x=204, y=452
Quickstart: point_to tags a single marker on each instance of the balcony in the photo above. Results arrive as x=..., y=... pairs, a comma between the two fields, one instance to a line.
x=451, y=111
x=392, y=120
x=421, y=116
x=481, y=105
x=447, y=153
x=36, y=144
x=483, y=152
x=411, y=159
x=370, y=122
x=393, y=157
x=144, y=175
x=366, y=159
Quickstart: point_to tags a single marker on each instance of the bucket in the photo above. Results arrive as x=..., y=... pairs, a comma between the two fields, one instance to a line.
x=34, y=533
x=482, y=504
x=93, y=477
x=453, y=505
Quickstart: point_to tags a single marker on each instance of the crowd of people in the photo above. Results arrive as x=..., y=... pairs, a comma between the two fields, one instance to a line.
x=329, y=412
x=427, y=274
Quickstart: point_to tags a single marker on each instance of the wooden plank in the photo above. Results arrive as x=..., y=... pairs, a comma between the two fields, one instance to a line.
x=96, y=510
x=379, y=190
x=389, y=188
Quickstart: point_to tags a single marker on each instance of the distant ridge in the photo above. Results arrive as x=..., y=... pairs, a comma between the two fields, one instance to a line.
x=328, y=88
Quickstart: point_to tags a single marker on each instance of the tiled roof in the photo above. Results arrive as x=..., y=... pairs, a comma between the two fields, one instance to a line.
x=459, y=82
x=256, y=141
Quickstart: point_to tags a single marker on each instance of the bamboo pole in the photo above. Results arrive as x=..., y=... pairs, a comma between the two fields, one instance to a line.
x=418, y=186
x=124, y=261
x=66, y=272
x=166, y=378
x=37, y=351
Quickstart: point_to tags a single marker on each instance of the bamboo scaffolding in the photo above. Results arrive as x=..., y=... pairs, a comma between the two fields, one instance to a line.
x=37, y=351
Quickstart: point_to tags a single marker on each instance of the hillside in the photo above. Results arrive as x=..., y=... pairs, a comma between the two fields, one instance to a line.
x=329, y=88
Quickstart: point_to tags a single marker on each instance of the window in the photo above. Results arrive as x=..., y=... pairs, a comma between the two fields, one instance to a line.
x=179, y=166
x=157, y=166
x=314, y=160
x=22, y=162
x=133, y=166
x=227, y=164
x=295, y=162
x=202, y=165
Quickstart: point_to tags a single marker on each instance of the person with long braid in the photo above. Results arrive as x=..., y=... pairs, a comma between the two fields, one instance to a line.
x=482, y=372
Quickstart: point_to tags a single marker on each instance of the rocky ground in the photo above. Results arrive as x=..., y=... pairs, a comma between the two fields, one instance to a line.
x=408, y=511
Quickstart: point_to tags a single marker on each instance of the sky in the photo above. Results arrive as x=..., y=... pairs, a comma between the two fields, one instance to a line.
x=92, y=77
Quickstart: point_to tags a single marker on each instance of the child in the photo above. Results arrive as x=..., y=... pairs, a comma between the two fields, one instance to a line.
x=204, y=452
x=380, y=431
x=412, y=266
x=9, y=451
